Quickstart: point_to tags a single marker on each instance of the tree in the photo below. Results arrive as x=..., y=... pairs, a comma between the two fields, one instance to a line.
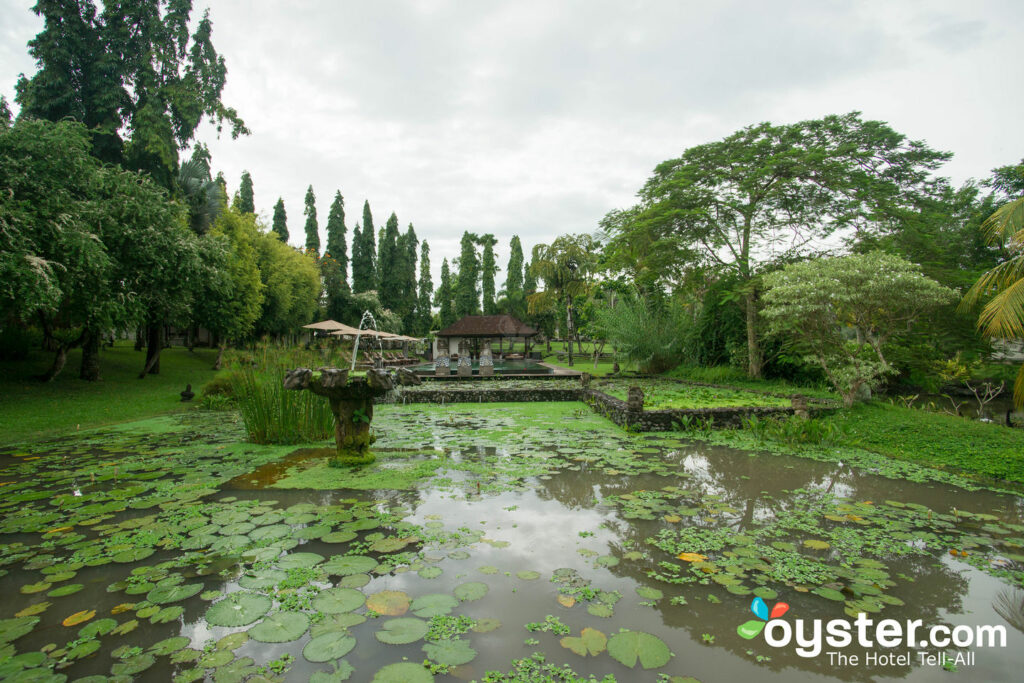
x=426, y=289
x=643, y=330
x=488, y=269
x=246, y=201
x=133, y=74
x=514, y=275
x=230, y=297
x=389, y=285
x=364, y=266
x=768, y=191
x=467, y=293
x=405, y=268
x=841, y=312
x=291, y=287
x=280, y=225
x=312, y=228
x=1003, y=286
x=203, y=196
x=566, y=266
x=444, y=298
x=5, y=113
x=336, y=235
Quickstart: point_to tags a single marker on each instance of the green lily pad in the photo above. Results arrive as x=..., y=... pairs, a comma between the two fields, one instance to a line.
x=169, y=646
x=167, y=614
x=430, y=572
x=403, y=672
x=607, y=561
x=488, y=569
x=270, y=533
x=590, y=641
x=238, y=609
x=329, y=646
x=133, y=665
x=629, y=647
x=649, y=593
x=233, y=641
x=263, y=579
x=132, y=555
x=433, y=605
x=473, y=590
x=391, y=544
x=354, y=581
x=486, y=625
x=12, y=629
x=280, y=627
x=343, y=536
x=600, y=610
x=816, y=544
x=450, y=652
x=344, y=565
x=39, y=587
x=100, y=627
x=402, y=631
x=342, y=672
x=829, y=593
x=338, y=600
x=162, y=595
x=528, y=575
x=67, y=589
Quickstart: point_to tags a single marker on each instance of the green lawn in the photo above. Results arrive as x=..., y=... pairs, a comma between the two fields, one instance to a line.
x=663, y=395
x=735, y=377
x=30, y=409
x=937, y=440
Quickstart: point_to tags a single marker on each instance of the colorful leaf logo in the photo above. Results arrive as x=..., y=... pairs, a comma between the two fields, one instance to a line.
x=751, y=629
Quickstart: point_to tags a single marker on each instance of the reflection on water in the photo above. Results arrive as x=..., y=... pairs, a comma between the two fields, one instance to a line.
x=570, y=518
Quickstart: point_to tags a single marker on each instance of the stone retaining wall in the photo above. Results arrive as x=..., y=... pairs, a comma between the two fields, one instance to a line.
x=492, y=394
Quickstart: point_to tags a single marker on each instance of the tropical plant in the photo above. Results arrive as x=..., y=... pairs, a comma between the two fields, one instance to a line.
x=643, y=331
x=566, y=266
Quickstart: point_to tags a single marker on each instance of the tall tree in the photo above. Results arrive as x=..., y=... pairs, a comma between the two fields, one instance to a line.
x=515, y=300
x=364, y=254
x=405, y=268
x=246, y=200
x=530, y=274
x=389, y=256
x=467, y=292
x=772, y=190
x=291, y=287
x=312, y=227
x=426, y=289
x=280, y=225
x=488, y=269
x=566, y=266
x=336, y=234
x=444, y=298
x=135, y=69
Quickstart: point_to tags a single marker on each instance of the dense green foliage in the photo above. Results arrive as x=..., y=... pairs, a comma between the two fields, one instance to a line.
x=644, y=331
x=364, y=256
x=466, y=288
x=246, y=200
x=280, y=224
x=444, y=298
x=488, y=269
x=312, y=227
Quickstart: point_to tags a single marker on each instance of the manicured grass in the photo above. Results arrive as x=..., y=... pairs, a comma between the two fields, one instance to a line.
x=937, y=440
x=30, y=409
x=734, y=377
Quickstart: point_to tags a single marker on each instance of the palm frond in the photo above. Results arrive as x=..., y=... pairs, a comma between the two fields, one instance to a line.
x=999, y=278
x=1006, y=224
x=1003, y=316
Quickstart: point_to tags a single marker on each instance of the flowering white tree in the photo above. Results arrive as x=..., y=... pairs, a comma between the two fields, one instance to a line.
x=841, y=312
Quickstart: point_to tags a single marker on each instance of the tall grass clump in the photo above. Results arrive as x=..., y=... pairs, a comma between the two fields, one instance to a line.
x=648, y=331
x=273, y=414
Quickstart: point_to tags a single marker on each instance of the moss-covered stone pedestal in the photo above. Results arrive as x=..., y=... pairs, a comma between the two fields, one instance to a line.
x=351, y=402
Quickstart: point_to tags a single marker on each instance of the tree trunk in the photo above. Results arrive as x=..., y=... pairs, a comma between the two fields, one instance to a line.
x=220, y=357
x=569, y=331
x=90, y=368
x=59, y=360
x=140, y=335
x=153, y=345
x=753, y=348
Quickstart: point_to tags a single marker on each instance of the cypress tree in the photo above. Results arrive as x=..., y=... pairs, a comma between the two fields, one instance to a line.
x=467, y=296
x=514, y=278
x=336, y=232
x=488, y=268
x=423, y=314
x=444, y=298
x=389, y=266
x=246, y=200
x=280, y=225
x=364, y=254
x=408, y=244
x=312, y=227
x=530, y=277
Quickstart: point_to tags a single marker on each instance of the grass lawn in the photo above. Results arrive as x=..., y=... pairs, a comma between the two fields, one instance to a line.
x=663, y=395
x=734, y=377
x=30, y=409
x=937, y=440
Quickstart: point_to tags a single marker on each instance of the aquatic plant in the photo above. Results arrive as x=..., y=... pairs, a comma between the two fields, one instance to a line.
x=273, y=415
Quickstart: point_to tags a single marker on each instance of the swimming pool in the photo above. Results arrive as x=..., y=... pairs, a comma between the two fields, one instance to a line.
x=501, y=367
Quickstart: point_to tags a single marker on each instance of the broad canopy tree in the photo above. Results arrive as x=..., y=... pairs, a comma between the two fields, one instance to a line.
x=769, y=191
x=566, y=267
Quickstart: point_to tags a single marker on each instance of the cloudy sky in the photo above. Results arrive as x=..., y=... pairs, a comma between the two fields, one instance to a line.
x=537, y=117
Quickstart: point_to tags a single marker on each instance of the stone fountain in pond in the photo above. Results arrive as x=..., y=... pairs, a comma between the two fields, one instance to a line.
x=351, y=402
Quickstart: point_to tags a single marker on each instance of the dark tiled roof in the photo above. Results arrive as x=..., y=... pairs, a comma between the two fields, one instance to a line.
x=487, y=326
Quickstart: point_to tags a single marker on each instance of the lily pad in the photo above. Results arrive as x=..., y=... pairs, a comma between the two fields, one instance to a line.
x=280, y=627
x=390, y=603
x=600, y=610
x=528, y=575
x=470, y=591
x=450, y=652
x=162, y=595
x=486, y=625
x=430, y=572
x=392, y=544
x=354, y=581
x=590, y=641
x=815, y=544
x=329, y=646
x=344, y=565
x=238, y=609
x=79, y=617
x=263, y=579
x=403, y=672
x=133, y=665
x=649, y=593
x=169, y=646
x=299, y=560
x=338, y=600
x=402, y=631
x=433, y=605
x=630, y=647
x=342, y=536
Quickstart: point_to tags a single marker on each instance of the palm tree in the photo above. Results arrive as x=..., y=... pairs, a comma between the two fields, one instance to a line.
x=1003, y=314
x=565, y=266
x=203, y=196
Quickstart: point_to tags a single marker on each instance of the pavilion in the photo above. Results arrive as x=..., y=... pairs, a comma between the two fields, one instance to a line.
x=477, y=329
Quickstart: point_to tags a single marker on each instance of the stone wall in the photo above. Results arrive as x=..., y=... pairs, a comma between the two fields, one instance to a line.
x=492, y=393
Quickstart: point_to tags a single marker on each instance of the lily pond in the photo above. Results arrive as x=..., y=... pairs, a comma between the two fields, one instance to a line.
x=489, y=542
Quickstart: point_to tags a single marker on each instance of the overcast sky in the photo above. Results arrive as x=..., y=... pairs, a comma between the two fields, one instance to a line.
x=537, y=117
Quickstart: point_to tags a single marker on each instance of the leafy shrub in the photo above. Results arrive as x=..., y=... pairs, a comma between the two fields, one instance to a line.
x=645, y=331
x=222, y=384
x=797, y=431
